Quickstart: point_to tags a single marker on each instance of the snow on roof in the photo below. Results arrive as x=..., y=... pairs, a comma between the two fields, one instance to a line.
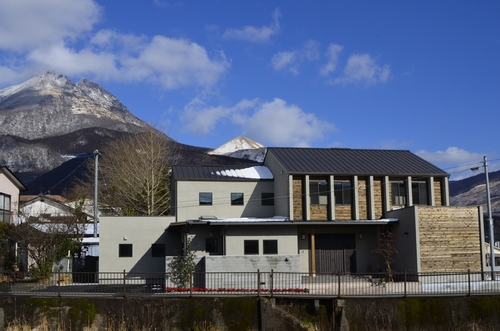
x=249, y=220
x=256, y=172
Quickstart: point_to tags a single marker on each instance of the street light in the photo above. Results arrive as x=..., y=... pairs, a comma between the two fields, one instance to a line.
x=490, y=219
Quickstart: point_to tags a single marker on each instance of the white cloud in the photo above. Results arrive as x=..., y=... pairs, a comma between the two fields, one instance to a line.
x=58, y=35
x=332, y=55
x=272, y=123
x=452, y=155
x=291, y=60
x=361, y=68
x=25, y=24
x=255, y=34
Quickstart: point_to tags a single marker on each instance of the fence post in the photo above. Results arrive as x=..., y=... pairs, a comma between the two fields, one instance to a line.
x=405, y=284
x=258, y=282
x=190, y=284
x=59, y=283
x=271, y=286
x=338, y=275
x=468, y=275
x=124, y=284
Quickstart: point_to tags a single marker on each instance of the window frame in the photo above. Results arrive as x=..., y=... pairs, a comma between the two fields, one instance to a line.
x=398, y=190
x=212, y=247
x=158, y=250
x=420, y=192
x=237, y=201
x=250, y=247
x=125, y=253
x=273, y=249
x=342, y=195
x=267, y=199
x=318, y=192
x=202, y=201
x=5, y=207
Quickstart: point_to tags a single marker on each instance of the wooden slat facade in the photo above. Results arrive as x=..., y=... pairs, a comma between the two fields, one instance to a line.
x=449, y=239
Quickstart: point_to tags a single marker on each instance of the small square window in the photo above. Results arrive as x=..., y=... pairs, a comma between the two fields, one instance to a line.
x=158, y=250
x=268, y=199
x=270, y=246
x=236, y=199
x=251, y=247
x=125, y=250
x=211, y=245
x=205, y=199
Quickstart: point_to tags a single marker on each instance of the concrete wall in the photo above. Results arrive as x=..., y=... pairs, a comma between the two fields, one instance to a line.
x=141, y=232
x=188, y=207
x=406, y=235
x=282, y=192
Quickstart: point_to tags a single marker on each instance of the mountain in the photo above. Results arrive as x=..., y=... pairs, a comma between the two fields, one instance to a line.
x=47, y=119
x=242, y=148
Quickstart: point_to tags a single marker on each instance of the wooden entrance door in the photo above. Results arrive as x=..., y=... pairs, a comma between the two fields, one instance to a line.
x=335, y=253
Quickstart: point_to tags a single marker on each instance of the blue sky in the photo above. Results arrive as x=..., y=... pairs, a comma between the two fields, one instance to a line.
x=420, y=75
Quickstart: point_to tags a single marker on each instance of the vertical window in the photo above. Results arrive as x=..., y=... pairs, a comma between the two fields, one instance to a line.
x=205, y=199
x=4, y=208
x=318, y=192
x=270, y=246
x=125, y=250
x=251, y=247
x=157, y=250
x=398, y=193
x=236, y=199
x=343, y=193
x=419, y=193
x=211, y=245
x=268, y=199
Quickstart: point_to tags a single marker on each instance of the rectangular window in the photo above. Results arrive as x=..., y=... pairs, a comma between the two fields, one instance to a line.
x=318, y=192
x=343, y=193
x=205, y=199
x=4, y=208
x=211, y=245
x=398, y=194
x=419, y=193
x=236, y=199
x=270, y=246
x=268, y=199
x=158, y=250
x=125, y=250
x=251, y=247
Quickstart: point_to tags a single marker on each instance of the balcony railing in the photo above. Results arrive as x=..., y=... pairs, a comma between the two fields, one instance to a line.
x=272, y=284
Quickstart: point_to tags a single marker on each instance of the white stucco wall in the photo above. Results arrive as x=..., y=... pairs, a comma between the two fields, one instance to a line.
x=188, y=206
x=8, y=188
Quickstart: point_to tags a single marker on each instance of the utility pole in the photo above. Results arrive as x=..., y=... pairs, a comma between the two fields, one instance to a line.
x=490, y=219
x=96, y=170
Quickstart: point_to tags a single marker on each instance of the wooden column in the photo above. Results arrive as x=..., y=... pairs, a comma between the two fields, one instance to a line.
x=313, y=252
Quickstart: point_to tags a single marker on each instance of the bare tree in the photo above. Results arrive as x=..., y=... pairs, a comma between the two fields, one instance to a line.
x=134, y=174
x=386, y=250
x=48, y=237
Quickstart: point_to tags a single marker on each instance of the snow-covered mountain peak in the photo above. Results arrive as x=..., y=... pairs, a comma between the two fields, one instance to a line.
x=242, y=148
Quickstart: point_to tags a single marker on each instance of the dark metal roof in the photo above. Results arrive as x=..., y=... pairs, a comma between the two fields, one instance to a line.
x=345, y=161
x=187, y=172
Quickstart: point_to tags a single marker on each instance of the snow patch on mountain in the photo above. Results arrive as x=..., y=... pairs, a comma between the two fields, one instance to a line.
x=242, y=148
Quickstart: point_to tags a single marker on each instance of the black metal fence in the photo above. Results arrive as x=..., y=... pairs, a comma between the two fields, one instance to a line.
x=278, y=284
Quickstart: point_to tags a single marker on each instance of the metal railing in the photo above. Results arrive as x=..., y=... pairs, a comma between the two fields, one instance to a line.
x=278, y=284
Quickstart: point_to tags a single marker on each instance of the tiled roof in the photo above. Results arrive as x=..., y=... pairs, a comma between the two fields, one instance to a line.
x=243, y=172
x=345, y=161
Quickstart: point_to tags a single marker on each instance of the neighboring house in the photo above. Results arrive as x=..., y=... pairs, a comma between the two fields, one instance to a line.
x=46, y=213
x=10, y=187
x=313, y=210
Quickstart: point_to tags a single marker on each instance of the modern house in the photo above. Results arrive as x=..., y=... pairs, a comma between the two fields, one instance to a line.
x=312, y=210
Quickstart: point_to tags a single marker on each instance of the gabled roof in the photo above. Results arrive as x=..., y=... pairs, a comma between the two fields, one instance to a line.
x=12, y=178
x=345, y=161
x=244, y=172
